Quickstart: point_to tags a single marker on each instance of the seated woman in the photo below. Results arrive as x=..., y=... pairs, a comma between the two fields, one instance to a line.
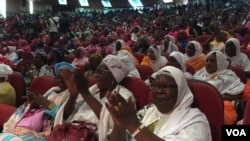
x=169, y=44
x=177, y=60
x=40, y=63
x=154, y=58
x=170, y=117
x=33, y=120
x=80, y=57
x=7, y=92
x=233, y=53
x=225, y=80
x=87, y=104
x=194, y=56
x=94, y=60
x=128, y=59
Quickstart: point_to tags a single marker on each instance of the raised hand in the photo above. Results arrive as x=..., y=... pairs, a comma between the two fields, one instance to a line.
x=69, y=79
x=122, y=112
x=81, y=82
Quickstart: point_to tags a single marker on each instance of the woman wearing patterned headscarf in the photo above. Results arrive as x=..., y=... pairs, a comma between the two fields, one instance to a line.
x=194, y=56
x=225, y=80
x=89, y=102
x=154, y=58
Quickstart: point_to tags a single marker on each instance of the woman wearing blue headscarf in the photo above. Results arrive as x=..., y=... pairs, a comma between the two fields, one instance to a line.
x=34, y=119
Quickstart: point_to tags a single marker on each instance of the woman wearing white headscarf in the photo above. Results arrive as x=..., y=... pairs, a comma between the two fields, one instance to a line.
x=170, y=117
x=232, y=52
x=169, y=44
x=128, y=59
x=88, y=105
x=154, y=58
x=224, y=80
x=7, y=92
x=177, y=59
x=194, y=56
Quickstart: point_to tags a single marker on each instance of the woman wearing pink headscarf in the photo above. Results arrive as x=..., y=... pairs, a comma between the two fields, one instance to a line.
x=80, y=57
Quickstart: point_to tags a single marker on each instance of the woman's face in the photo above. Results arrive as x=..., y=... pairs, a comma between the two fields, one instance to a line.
x=211, y=63
x=38, y=60
x=173, y=62
x=59, y=81
x=151, y=54
x=103, y=77
x=230, y=49
x=190, y=50
x=165, y=91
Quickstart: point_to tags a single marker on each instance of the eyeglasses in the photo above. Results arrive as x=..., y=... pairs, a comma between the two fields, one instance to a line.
x=101, y=71
x=155, y=88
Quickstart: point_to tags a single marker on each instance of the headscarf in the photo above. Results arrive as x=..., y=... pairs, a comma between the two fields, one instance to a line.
x=116, y=66
x=62, y=65
x=180, y=59
x=236, y=42
x=171, y=38
x=5, y=70
x=160, y=60
x=222, y=62
x=198, y=49
x=185, y=96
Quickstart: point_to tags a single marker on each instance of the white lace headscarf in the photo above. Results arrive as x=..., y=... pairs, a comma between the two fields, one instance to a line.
x=116, y=66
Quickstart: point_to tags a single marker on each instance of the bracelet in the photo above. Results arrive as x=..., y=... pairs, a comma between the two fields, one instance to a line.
x=51, y=106
x=137, y=131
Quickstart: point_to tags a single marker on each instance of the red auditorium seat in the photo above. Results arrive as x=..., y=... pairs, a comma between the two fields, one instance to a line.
x=17, y=81
x=138, y=88
x=139, y=56
x=41, y=84
x=69, y=58
x=240, y=73
x=144, y=71
x=209, y=101
x=190, y=69
x=6, y=112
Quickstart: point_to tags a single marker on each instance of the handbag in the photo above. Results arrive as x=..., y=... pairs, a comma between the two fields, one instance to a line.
x=75, y=131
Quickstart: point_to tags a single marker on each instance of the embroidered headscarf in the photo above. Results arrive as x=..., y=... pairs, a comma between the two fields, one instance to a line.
x=116, y=66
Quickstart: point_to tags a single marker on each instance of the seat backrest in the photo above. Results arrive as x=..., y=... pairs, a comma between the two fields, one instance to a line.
x=246, y=117
x=41, y=84
x=138, y=88
x=209, y=101
x=240, y=73
x=139, y=56
x=202, y=38
x=6, y=112
x=17, y=82
x=144, y=71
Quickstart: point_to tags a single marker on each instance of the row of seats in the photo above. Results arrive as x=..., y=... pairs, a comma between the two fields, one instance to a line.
x=203, y=92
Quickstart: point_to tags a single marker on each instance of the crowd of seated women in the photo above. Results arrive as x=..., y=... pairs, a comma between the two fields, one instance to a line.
x=107, y=52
